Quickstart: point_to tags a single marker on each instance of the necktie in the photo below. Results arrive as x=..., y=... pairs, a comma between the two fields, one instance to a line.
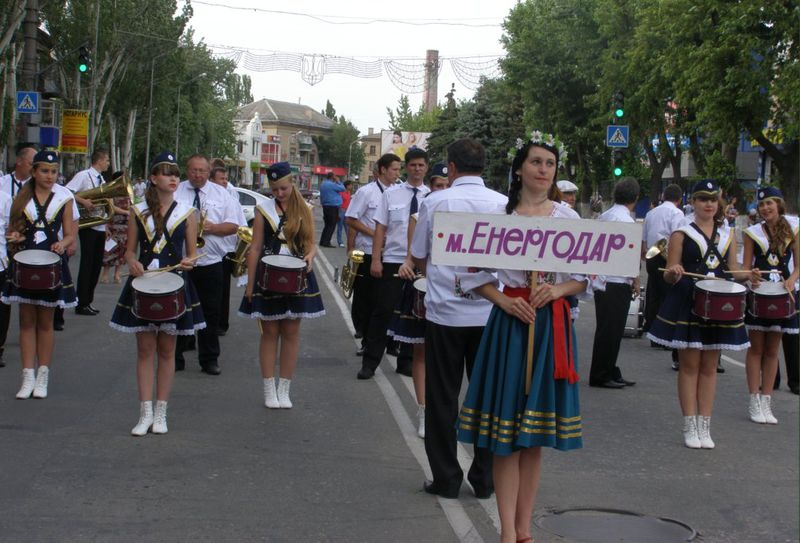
x=414, y=204
x=99, y=179
x=196, y=198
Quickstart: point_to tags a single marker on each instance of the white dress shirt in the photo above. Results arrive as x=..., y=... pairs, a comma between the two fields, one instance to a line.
x=219, y=208
x=233, y=239
x=661, y=222
x=363, y=207
x=85, y=180
x=10, y=185
x=616, y=213
x=442, y=305
x=393, y=213
x=5, y=213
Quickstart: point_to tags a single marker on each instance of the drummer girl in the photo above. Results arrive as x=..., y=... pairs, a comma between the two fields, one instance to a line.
x=165, y=234
x=36, y=221
x=706, y=246
x=283, y=226
x=769, y=248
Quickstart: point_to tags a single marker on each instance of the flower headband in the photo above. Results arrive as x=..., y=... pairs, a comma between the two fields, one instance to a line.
x=539, y=138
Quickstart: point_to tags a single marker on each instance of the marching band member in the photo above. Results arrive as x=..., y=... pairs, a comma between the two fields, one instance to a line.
x=706, y=246
x=220, y=216
x=165, y=234
x=405, y=327
x=283, y=226
x=37, y=214
x=770, y=247
x=499, y=414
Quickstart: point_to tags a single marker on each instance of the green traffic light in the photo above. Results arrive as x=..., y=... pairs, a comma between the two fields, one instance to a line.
x=619, y=112
x=82, y=68
x=617, y=171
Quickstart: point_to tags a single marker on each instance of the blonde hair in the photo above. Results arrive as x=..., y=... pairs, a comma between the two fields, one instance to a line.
x=299, y=226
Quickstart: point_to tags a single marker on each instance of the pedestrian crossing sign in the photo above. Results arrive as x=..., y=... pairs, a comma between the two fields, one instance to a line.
x=617, y=136
x=27, y=102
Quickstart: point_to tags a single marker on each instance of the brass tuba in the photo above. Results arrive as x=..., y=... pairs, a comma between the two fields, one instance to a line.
x=660, y=248
x=102, y=197
x=239, y=258
x=350, y=272
x=201, y=242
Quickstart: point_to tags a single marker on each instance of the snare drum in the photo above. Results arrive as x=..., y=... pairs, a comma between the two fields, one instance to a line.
x=283, y=274
x=771, y=301
x=719, y=300
x=158, y=297
x=35, y=269
x=420, y=288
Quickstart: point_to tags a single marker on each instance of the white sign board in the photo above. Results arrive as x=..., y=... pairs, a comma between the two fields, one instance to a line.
x=513, y=242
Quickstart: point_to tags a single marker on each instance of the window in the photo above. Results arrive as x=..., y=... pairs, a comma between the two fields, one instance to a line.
x=270, y=153
x=371, y=149
x=246, y=200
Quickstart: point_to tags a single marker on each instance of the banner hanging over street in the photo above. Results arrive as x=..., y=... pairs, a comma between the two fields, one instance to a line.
x=514, y=242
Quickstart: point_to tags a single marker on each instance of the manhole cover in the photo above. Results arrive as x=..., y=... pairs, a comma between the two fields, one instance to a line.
x=610, y=525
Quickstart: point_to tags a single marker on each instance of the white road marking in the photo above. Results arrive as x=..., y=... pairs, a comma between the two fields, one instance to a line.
x=727, y=358
x=453, y=509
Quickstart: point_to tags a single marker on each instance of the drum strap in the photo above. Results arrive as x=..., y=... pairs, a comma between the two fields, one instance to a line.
x=274, y=244
x=41, y=220
x=148, y=246
x=711, y=249
x=783, y=264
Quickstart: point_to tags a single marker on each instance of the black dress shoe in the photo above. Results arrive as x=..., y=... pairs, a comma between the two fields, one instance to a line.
x=607, y=384
x=58, y=326
x=326, y=245
x=365, y=373
x=404, y=370
x=221, y=332
x=794, y=389
x=211, y=369
x=625, y=382
x=720, y=369
x=2, y=363
x=483, y=493
x=93, y=309
x=450, y=492
x=358, y=335
x=85, y=311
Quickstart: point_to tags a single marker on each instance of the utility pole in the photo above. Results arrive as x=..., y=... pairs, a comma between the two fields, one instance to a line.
x=30, y=121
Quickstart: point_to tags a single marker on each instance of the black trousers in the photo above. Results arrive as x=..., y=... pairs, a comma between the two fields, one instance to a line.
x=5, y=316
x=92, y=248
x=206, y=281
x=330, y=216
x=386, y=295
x=611, y=311
x=791, y=355
x=448, y=351
x=225, y=303
x=656, y=290
x=364, y=288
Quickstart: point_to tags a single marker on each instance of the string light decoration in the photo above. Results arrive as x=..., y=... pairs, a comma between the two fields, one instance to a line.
x=407, y=74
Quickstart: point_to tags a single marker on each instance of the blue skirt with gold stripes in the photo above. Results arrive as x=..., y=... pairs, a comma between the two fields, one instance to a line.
x=497, y=414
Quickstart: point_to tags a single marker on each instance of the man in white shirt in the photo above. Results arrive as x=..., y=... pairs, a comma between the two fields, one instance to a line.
x=611, y=304
x=222, y=215
x=659, y=224
x=219, y=176
x=569, y=192
x=360, y=218
x=5, y=310
x=12, y=182
x=93, y=239
x=455, y=324
x=390, y=241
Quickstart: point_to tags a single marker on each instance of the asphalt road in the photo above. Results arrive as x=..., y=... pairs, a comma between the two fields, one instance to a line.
x=345, y=463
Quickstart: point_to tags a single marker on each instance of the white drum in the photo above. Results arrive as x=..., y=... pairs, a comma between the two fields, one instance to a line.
x=158, y=297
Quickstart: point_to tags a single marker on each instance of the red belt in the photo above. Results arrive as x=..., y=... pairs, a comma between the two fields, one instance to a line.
x=563, y=349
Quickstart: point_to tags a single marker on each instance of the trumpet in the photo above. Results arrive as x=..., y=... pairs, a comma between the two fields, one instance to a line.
x=239, y=258
x=350, y=272
x=660, y=248
x=102, y=198
x=200, y=227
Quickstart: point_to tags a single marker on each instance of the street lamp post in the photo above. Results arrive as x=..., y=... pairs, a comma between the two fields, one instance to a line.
x=350, y=156
x=178, y=112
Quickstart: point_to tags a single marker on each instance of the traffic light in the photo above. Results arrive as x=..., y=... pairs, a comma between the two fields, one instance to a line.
x=616, y=158
x=84, y=60
x=618, y=105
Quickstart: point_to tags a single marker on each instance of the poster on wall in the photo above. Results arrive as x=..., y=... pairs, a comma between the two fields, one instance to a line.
x=398, y=142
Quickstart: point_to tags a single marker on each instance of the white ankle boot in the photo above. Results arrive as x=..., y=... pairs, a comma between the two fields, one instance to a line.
x=160, y=418
x=270, y=394
x=145, y=419
x=283, y=393
x=421, y=421
x=704, y=432
x=690, y=436
x=28, y=382
x=766, y=408
x=755, y=411
x=42, y=378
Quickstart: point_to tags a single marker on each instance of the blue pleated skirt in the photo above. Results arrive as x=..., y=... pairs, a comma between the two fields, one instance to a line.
x=272, y=306
x=497, y=414
x=404, y=326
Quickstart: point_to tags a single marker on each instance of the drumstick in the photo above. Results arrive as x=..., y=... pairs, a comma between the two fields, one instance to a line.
x=168, y=268
x=690, y=274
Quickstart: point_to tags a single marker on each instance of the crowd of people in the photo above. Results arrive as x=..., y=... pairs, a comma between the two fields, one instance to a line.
x=512, y=331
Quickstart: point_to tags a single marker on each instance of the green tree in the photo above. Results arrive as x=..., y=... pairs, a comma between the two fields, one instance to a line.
x=402, y=118
x=238, y=89
x=329, y=111
x=341, y=148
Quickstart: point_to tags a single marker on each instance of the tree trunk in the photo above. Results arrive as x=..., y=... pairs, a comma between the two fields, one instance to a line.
x=13, y=17
x=787, y=161
x=127, y=144
x=697, y=154
x=110, y=69
x=657, y=167
x=113, y=154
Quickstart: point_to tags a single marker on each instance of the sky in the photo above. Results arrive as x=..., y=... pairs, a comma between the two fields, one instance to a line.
x=263, y=27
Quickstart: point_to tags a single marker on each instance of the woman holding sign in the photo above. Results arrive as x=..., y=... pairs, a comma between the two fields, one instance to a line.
x=701, y=248
x=517, y=404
